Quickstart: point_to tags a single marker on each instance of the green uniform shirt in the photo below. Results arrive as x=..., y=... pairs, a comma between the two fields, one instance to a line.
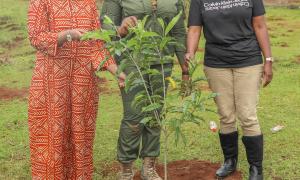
x=117, y=10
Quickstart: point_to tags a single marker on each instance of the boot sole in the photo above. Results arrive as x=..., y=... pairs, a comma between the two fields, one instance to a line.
x=222, y=177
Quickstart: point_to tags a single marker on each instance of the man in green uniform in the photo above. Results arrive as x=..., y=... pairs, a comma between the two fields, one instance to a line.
x=137, y=140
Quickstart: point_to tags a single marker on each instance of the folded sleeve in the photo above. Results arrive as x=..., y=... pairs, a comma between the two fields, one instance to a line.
x=195, y=14
x=179, y=33
x=39, y=32
x=258, y=8
x=112, y=9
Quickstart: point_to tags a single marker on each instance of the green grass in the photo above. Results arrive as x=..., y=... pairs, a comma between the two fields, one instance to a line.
x=280, y=104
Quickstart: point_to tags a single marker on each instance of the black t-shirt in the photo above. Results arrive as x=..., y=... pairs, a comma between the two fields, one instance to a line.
x=227, y=24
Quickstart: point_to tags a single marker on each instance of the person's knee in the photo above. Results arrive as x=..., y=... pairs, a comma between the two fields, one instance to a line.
x=251, y=127
x=226, y=108
x=153, y=131
x=249, y=123
x=228, y=127
x=130, y=128
x=227, y=121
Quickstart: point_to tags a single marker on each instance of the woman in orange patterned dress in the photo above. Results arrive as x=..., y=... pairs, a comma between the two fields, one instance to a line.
x=63, y=95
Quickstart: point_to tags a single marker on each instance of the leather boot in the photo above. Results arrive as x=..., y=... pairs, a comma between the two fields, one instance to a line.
x=254, y=151
x=229, y=144
x=149, y=170
x=126, y=172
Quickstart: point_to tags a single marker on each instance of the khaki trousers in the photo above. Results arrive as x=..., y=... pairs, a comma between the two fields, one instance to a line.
x=238, y=90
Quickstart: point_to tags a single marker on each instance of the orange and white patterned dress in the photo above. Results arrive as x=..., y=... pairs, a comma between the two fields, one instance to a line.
x=63, y=95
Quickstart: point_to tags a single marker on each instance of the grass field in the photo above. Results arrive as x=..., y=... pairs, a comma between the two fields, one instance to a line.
x=280, y=104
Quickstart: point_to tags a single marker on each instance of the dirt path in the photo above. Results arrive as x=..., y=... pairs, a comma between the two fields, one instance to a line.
x=9, y=94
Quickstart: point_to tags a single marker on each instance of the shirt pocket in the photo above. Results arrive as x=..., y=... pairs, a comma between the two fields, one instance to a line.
x=133, y=8
x=167, y=8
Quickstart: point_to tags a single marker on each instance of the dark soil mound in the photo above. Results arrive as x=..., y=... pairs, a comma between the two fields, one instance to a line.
x=8, y=94
x=192, y=170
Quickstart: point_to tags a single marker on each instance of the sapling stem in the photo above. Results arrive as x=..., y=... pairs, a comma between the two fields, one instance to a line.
x=147, y=46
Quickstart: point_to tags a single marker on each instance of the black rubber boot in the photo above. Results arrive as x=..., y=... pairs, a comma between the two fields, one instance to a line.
x=254, y=151
x=229, y=144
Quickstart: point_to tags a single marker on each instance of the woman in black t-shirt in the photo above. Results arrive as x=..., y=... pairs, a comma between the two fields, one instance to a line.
x=236, y=37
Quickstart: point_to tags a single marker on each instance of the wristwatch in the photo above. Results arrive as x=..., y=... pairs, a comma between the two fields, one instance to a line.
x=69, y=37
x=270, y=59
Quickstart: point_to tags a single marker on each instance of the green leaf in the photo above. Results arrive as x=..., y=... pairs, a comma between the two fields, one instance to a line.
x=164, y=43
x=212, y=95
x=123, y=65
x=139, y=101
x=184, y=140
x=162, y=23
x=132, y=42
x=153, y=72
x=211, y=110
x=195, y=119
x=172, y=23
x=107, y=20
x=199, y=79
x=143, y=23
x=194, y=96
x=136, y=84
x=103, y=62
x=177, y=135
x=104, y=35
x=141, y=95
x=118, y=52
x=146, y=120
x=159, y=90
x=151, y=107
x=193, y=67
x=90, y=35
x=186, y=106
x=129, y=81
x=150, y=34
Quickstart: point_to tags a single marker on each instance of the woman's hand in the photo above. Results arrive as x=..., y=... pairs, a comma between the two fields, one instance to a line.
x=75, y=35
x=127, y=23
x=268, y=74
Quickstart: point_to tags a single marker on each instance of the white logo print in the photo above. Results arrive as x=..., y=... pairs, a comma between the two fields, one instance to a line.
x=226, y=4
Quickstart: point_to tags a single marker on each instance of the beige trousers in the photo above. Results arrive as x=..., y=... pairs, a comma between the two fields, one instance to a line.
x=238, y=90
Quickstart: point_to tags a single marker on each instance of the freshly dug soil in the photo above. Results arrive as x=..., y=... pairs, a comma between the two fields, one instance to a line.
x=192, y=170
x=8, y=94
